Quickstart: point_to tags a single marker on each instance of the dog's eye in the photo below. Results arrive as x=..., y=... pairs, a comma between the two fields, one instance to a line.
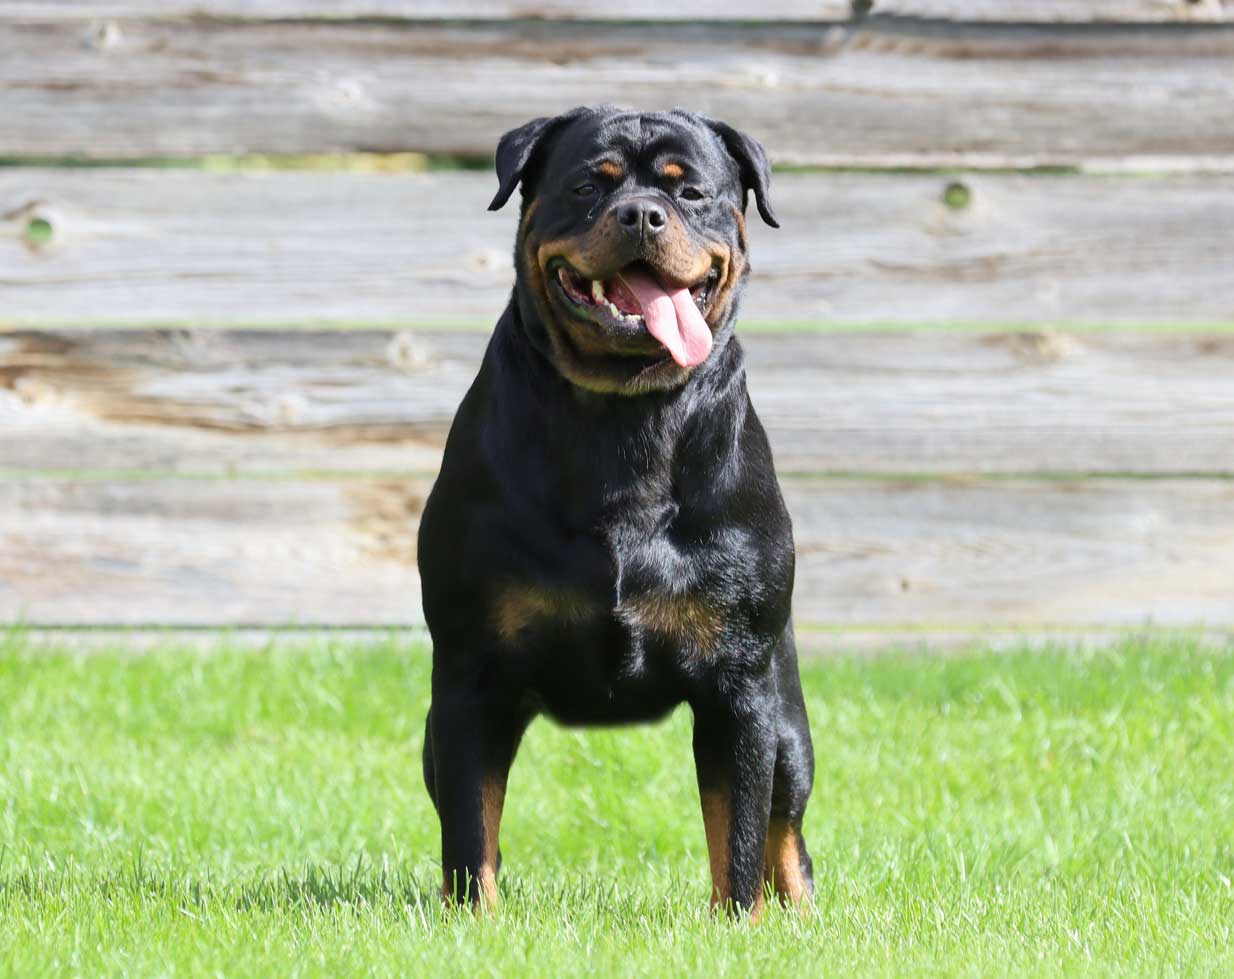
x=585, y=190
x=692, y=194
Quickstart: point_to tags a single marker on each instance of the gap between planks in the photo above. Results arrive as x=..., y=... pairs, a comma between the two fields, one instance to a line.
x=881, y=640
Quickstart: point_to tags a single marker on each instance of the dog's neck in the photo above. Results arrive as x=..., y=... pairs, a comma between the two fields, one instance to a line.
x=586, y=445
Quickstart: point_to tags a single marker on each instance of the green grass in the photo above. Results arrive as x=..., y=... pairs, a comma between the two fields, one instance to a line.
x=261, y=813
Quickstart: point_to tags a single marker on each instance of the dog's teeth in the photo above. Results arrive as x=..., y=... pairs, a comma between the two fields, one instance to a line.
x=615, y=311
x=597, y=291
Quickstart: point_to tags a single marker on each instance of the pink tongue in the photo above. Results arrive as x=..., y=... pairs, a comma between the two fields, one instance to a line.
x=672, y=318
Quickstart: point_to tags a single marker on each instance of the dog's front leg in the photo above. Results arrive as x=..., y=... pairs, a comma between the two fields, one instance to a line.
x=734, y=751
x=471, y=744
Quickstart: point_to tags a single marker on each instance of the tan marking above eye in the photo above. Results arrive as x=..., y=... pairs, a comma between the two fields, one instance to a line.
x=673, y=171
x=610, y=169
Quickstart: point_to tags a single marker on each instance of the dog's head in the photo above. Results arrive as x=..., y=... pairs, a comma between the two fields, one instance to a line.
x=631, y=249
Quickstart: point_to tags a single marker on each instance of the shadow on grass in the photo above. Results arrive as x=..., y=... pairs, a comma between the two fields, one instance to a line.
x=359, y=888
x=356, y=886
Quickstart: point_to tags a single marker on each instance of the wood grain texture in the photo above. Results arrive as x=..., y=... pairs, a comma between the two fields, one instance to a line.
x=157, y=246
x=1023, y=554
x=885, y=91
x=1059, y=11
x=427, y=10
x=214, y=552
x=212, y=402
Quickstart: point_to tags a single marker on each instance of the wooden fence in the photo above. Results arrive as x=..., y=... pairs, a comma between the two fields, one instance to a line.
x=991, y=343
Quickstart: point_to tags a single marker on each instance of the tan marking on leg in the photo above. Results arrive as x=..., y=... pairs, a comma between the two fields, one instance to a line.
x=756, y=912
x=783, y=862
x=459, y=896
x=492, y=801
x=519, y=607
x=716, y=824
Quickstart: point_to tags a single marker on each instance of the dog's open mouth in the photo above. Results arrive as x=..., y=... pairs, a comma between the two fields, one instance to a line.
x=634, y=298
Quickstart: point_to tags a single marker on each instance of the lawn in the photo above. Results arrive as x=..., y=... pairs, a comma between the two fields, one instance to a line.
x=260, y=812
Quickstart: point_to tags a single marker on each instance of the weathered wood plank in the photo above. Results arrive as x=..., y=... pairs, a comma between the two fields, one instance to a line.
x=885, y=92
x=424, y=10
x=1059, y=11
x=210, y=402
x=1023, y=11
x=248, y=552
x=212, y=552
x=217, y=403
x=156, y=246
x=1098, y=552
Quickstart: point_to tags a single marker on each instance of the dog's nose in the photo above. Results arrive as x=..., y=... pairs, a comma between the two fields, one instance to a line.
x=642, y=216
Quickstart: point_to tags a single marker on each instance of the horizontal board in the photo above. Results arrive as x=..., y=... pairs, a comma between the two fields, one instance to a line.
x=423, y=10
x=214, y=402
x=153, y=246
x=1059, y=11
x=1072, y=11
x=212, y=552
x=883, y=91
x=251, y=552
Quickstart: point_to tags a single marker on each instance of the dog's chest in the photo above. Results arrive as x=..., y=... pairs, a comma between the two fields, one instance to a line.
x=619, y=646
x=635, y=580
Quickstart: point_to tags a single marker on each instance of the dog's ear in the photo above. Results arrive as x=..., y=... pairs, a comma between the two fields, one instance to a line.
x=752, y=164
x=518, y=146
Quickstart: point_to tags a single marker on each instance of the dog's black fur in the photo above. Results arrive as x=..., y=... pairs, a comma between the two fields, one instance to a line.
x=607, y=539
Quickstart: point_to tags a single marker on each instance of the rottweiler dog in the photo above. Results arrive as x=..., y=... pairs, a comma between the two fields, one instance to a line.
x=606, y=539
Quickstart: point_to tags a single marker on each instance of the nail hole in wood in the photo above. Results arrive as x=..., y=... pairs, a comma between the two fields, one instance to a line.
x=957, y=196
